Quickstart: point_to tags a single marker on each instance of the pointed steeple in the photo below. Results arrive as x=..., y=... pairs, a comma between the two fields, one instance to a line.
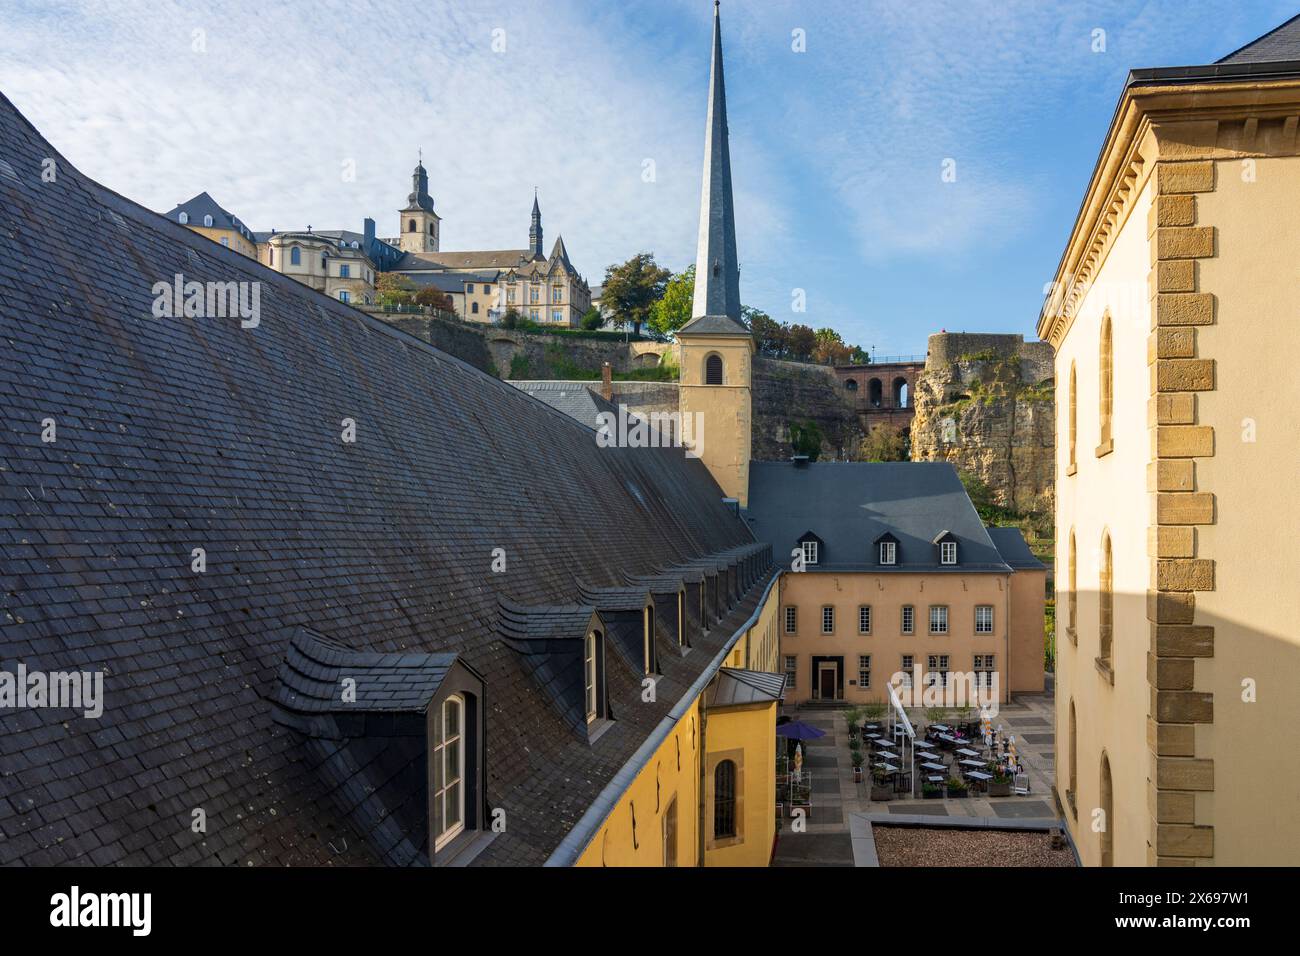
x=717, y=275
x=561, y=254
x=535, y=230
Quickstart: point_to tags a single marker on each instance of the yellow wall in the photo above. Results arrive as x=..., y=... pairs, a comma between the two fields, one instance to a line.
x=233, y=240
x=725, y=410
x=746, y=735
x=1107, y=493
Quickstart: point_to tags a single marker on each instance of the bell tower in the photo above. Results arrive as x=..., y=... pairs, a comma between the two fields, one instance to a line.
x=418, y=224
x=716, y=349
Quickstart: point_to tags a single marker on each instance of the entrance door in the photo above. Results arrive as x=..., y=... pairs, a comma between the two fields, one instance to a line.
x=827, y=674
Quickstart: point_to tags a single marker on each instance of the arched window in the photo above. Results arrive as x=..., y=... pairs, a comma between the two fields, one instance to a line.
x=295, y=256
x=270, y=256
x=900, y=392
x=724, y=799
x=1106, y=601
x=183, y=218
x=592, y=677
x=473, y=307
x=1107, y=815
x=412, y=227
x=431, y=229
x=875, y=393
x=1106, y=395
x=713, y=370
x=449, y=772
x=1074, y=417
x=207, y=221
x=851, y=384
x=1072, y=593
x=1073, y=791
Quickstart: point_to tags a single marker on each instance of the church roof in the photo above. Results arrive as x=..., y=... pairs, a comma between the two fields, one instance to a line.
x=176, y=434
x=1278, y=45
x=473, y=260
x=561, y=254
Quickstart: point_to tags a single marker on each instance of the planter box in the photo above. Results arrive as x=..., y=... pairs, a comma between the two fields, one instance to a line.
x=857, y=774
x=1000, y=789
x=931, y=794
x=879, y=793
x=958, y=794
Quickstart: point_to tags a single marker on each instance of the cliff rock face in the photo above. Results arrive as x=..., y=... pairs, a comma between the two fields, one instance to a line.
x=985, y=403
x=796, y=392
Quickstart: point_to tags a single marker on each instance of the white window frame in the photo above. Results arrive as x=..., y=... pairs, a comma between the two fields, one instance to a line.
x=810, y=552
x=446, y=834
x=791, y=670
x=984, y=667
x=947, y=552
x=864, y=670
x=888, y=553
x=936, y=673
x=791, y=619
x=591, y=677
x=909, y=662
x=939, y=614
x=864, y=618
x=207, y=222
x=183, y=218
x=344, y=295
x=907, y=619
x=983, y=610
x=828, y=618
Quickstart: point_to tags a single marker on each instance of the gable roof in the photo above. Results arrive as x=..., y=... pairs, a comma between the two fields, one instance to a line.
x=849, y=505
x=204, y=205
x=195, y=432
x=713, y=325
x=472, y=261
x=575, y=399
x=1014, y=549
x=1280, y=44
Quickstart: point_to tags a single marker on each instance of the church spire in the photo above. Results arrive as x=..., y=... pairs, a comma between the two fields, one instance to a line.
x=717, y=275
x=535, y=230
x=419, y=197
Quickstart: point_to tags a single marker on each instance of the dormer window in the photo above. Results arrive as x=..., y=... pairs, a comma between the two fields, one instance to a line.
x=448, y=754
x=946, y=542
x=888, y=552
x=651, y=662
x=183, y=218
x=810, y=550
x=207, y=221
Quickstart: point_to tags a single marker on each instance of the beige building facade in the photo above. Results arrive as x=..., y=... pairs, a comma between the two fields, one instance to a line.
x=1172, y=316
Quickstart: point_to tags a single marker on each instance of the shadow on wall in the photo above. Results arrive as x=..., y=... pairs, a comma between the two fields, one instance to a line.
x=1232, y=681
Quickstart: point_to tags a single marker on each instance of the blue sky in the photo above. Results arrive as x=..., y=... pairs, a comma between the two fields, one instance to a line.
x=837, y=151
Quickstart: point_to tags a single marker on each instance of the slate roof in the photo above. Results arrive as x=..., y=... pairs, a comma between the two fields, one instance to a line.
x=849, y=505
x=574, y=399
x=204, y=205
x=448, y=281
x=181, y=433
x=1280, y=44
x=472, y=261
x=713, y=325
x=1014, y=549
x=734, y=687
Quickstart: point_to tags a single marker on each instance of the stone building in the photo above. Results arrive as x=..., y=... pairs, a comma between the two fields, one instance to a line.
x=204, y=216
x=1173, y=318
x=882, y=393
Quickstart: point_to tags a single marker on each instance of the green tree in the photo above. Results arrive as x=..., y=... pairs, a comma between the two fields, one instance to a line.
x=884, y=444
x=435, y=298
x=592, y=319
x=806, y=439
x=673, y=311
x=633, y=287
x=830, y=348
x=393, y=288
x=801, y=342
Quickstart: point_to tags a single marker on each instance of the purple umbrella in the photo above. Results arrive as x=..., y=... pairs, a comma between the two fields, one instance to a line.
x=798, y=730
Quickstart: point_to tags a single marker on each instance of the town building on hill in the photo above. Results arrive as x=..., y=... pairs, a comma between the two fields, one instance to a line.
x=203, y=215
x=1172, y=314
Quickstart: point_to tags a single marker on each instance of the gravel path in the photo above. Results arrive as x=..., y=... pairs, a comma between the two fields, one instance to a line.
x=912, y=846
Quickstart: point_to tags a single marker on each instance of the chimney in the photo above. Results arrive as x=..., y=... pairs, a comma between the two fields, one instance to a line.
x=606, y=382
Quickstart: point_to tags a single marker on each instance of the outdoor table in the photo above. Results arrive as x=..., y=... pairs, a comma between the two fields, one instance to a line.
x=924, y=745
x=935, y=778
x=873, y=736
x=972, y=763
x=980, y=777
x=887, y=767
x=886, y=743
x=968, y=752
x=934, y=766
x=942, y=728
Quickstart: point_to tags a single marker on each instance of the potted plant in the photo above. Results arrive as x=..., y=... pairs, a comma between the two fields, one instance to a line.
x=857, y=765
x=931, y=791
x=1000, y=785
x=851, y=718
x=956, y=788
x=880, y=787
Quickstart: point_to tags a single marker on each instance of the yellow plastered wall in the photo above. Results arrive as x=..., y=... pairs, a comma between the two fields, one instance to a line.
x=747, y=736
x=725, y=412
x=672, y=774
x=234, y=240
x=1107, y=494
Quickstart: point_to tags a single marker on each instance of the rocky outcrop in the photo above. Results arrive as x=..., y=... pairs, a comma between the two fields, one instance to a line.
x=797, y=392
x=985, y=403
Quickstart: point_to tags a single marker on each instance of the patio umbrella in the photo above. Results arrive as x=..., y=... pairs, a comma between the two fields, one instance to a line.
x=1011, y=753
x=798, y=730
